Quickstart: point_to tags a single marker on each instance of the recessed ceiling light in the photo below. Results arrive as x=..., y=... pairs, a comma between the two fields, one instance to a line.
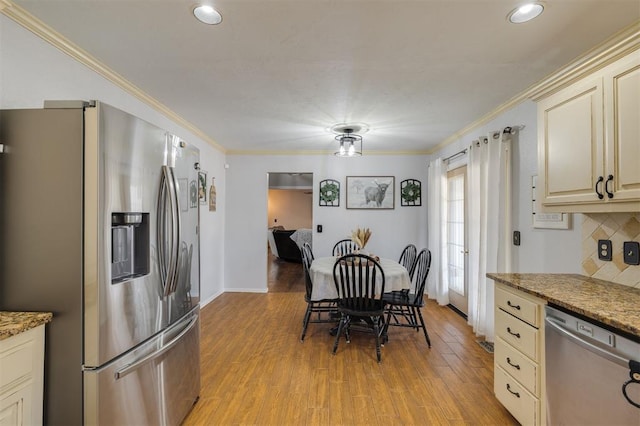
x=525, y=12
x=207, y=15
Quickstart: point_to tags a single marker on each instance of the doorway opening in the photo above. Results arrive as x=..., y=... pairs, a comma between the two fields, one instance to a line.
x=290, y=221
x=456, y=239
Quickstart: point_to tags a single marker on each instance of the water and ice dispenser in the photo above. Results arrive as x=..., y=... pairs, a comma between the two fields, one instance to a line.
x=129, y=246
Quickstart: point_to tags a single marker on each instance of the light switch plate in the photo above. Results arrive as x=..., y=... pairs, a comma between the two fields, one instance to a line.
x=631, y=252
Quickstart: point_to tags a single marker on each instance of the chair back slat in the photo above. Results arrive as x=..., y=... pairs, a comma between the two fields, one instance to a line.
x=344, y=247
x=423, y=265
x=408, y=259
x=359, y=282
x=307, y=259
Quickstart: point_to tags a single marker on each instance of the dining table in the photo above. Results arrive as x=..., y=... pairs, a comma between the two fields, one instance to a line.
x=396, y=277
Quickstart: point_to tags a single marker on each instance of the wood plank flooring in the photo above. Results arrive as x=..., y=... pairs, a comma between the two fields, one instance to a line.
x=255, y=371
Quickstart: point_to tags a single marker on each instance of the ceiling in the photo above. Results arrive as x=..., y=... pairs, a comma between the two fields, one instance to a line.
x=276, y=74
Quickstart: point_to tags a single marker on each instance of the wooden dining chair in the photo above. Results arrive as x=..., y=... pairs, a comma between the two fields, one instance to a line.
x=344, y=247
x=359, y=282
x=325, y=309
x=403, y=308
x=408, y=259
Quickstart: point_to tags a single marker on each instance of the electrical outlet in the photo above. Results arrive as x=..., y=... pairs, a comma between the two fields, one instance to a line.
x=631, y=252
x=604, y=250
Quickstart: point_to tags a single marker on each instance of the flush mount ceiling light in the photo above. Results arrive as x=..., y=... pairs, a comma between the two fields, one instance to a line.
x=525, y=12
x=350, y=142
x=207, y=15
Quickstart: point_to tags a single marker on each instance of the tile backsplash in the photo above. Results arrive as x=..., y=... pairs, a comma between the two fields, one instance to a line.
x=617, y=227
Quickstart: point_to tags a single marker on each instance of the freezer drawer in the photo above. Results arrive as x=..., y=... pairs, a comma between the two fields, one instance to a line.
x=155, y=384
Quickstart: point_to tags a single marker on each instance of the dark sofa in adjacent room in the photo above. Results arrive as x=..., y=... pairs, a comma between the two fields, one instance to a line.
x=285, y=247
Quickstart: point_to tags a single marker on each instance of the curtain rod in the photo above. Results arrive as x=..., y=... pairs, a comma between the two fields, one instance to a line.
x=464, y=151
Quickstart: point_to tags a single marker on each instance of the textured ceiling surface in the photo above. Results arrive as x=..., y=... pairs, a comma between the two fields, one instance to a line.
x=276, y=74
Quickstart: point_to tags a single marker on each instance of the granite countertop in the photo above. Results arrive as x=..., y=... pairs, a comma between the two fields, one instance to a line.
x=610, y=303
x=12, y=323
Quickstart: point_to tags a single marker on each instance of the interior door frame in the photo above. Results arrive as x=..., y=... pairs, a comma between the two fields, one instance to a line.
x=458, y=301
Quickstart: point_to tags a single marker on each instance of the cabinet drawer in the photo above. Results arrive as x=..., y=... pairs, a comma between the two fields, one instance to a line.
x=518, y=366
x=520, y=403
x=518, y=334
x=520, y=307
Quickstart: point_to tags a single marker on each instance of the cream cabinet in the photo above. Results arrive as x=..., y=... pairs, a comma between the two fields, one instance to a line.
x=519, y=354
x=21, y=378
x=589, y=142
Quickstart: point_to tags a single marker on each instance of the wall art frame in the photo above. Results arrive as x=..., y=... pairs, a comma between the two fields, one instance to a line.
x=410, y=193
x=202, y=187
x=329, y=195
x=541, y=220
x=371, y=192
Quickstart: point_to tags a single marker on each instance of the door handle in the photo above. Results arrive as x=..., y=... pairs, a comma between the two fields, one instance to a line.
x=606, y=186
x=168, y=190
x=598, y=182
x=142, y=361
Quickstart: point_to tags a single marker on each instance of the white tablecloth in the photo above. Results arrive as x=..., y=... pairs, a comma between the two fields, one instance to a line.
x=396, y=277
x=302, y=236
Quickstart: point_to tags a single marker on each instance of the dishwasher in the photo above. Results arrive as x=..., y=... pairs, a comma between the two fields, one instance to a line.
x=592, y=373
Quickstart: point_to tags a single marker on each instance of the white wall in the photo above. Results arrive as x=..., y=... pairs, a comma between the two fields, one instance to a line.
x=246, y=249
x=31, y=71
x=541, y=250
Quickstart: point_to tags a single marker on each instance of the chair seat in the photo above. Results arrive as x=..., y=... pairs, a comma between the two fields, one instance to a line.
x=308, y=299
x=402, y=298
x=361, y=307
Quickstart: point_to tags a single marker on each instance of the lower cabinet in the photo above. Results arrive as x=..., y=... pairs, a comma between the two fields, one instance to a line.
x=519, y=354
x=21, y=378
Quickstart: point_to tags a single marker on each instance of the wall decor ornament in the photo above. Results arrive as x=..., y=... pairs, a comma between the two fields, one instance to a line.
x=212, y=195
x=202, y=187
x=193, y=194
x=329, y=193
x=410, y=192
x=370, y=192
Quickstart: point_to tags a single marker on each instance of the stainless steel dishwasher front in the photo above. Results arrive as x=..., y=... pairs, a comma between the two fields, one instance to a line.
x=592, y=373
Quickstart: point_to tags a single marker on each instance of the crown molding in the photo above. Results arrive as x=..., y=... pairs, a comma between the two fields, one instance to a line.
x=617, y=46
x=328, y=153
x=620, y=44
x=48, y=34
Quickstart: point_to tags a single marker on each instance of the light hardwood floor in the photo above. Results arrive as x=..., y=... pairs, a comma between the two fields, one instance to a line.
x=256, y=371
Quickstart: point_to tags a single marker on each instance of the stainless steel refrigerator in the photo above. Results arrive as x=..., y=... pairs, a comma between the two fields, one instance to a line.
x=99, y=225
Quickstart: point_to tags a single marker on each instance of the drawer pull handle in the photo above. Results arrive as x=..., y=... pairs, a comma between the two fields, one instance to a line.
x=512, y=333
x=512, y=392
x=516, y=366
x=513, y=306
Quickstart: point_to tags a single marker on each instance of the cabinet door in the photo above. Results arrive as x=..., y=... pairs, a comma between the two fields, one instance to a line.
x=622, y=92
x=570, y=147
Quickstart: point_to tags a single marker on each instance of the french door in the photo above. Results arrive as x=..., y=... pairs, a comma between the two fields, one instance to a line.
x=457, y=238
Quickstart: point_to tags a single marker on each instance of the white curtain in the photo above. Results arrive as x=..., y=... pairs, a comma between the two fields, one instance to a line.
x=489, y=186
x=437, y=287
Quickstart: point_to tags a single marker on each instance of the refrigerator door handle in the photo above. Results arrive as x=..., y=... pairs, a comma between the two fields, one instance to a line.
x=168, y=272
x=142, y=361
x=176, y=227
x=161, y=234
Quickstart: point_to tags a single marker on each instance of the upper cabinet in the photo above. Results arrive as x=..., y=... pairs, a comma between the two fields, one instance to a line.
x=589, y=142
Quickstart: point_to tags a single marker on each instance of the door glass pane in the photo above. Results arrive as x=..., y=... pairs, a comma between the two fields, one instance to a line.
x=455, y=233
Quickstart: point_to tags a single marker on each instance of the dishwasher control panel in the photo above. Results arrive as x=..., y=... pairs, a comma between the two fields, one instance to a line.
x=597, y=333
